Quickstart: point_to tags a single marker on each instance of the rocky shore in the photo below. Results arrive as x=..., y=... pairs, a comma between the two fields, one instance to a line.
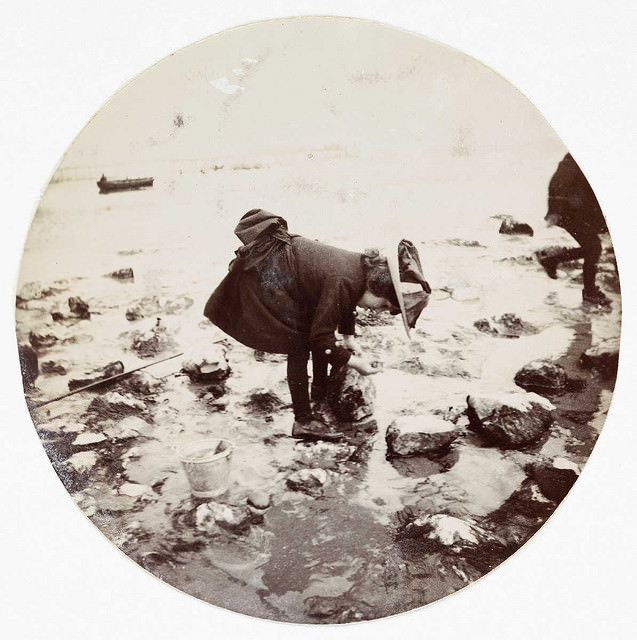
x=453, y=456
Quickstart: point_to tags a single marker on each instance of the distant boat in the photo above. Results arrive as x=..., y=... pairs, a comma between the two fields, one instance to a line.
x=107, y=186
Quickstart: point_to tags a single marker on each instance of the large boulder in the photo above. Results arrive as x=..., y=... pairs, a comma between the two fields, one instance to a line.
x=542, y=376
x=603, y=357
x=350, y=395
x=210, y=515
x=419, y=435
x=510, y=226
x=95, y=375
x=207, y=364
x=511, y=420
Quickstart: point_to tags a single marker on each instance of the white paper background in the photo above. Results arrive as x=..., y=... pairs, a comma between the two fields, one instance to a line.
x=575, y=60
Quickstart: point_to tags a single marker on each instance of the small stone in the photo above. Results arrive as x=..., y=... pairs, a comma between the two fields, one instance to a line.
x=134, y=313
x=156, y=340
x=88, y=438
x=52, y=368
x=230, y=517
x=350, y=395
x=508, y=325
x=134, y=490
x=207, y=364
x=122, y=274
x=263, y=400
x=510, y=226
x=83, y=461
x=310, y=481
x=79, y=308
x=419, y=435
x=512, y=420
x=324, y=455
x=114, y=404
x=259, y=499
x=542, y=376
x=42, y=340
x=94, y=375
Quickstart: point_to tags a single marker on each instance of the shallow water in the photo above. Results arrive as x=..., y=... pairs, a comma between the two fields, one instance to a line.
x=177, y=239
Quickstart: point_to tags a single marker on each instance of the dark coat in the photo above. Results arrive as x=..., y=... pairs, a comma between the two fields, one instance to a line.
x=572, y=203
x=291, y=300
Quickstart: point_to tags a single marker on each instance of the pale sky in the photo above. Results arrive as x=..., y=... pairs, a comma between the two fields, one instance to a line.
x=310, y=83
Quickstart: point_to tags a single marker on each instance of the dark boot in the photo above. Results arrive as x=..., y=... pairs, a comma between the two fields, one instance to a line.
x=595, y=296
x=313, y=428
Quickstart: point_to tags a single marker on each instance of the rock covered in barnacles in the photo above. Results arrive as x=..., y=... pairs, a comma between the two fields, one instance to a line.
x=263, y=400
x=542, y=376
x=154, y=341
x=310, y=481
x=419, y=435
x=206, y=364
x=350, y=395
x=510, y=420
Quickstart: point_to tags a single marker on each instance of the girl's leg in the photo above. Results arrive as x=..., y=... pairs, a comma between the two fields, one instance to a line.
x=319, y=375
x=298, y=384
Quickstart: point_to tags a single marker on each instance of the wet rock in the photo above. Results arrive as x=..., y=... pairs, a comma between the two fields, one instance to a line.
x=52, y=368
x=88, y=438
x=150, y=306
x=340, y=609
x=444, y=529
x=309, y=481
x=260, y=500
x=28, y=365
x=211, y=515
x=128, y=427
x=459, y=242
x=82, y=462
x=79, y=308
x=419, y=435
x=350, y=395
x=134, y=313
x=115, y=405
x=207, y=364
x=262, y=356
x=35, y=291
x=511, y=420
x=555, y=478
x=148, y=344
x=142, y=383
x=97, y=374
x=323, y=455
x=134, y=490
x=542, y=376
x=42, y=340
x=122, y=274
x=510, y=226
x=603, y=357
x=371, y=318
x=508, y=325
x=263, y=401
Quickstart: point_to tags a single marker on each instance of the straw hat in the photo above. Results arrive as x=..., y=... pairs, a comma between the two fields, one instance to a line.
x=404, y=266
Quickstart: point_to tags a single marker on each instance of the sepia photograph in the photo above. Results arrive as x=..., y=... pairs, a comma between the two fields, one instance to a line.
x=318, y=320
